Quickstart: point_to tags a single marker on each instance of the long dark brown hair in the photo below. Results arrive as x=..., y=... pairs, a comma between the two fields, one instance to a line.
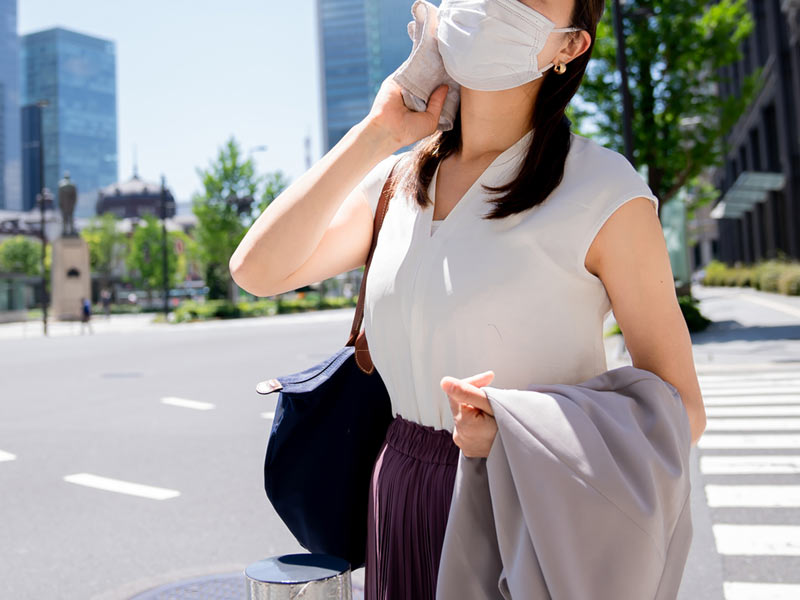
x=543, y=167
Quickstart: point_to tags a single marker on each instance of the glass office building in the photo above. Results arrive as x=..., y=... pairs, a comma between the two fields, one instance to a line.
x=361, y=42
x=10, y=166
x=31, y=159
x=76, y=74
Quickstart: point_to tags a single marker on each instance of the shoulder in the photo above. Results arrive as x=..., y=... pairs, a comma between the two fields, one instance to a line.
x=373, y=182
x=382, y=169
x=605, y=177
x=591, y=154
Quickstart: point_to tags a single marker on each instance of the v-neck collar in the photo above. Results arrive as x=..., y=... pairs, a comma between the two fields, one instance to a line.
x=502, y=161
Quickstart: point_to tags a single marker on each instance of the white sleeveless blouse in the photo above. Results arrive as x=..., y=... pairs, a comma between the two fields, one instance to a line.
x=509, y=295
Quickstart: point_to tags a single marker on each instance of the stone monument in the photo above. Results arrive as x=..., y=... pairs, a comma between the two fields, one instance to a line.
x=70, y=276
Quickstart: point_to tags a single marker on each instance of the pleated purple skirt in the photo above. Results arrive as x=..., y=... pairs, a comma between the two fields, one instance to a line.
x=409, y=502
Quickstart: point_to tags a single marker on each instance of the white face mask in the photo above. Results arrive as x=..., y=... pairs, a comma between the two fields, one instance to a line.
x=493, y=45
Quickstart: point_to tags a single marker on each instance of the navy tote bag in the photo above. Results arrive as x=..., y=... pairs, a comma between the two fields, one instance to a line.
x=330, y=423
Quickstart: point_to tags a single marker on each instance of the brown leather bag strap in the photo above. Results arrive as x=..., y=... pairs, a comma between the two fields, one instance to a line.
x=380, y=213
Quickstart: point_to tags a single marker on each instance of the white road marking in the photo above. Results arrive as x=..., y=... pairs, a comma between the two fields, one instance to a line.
x=122, y=487
x=6, y=456
x=741, y=390
x=750, y=387
x=753, y=411
x=734, y=377
x=754, y=496
x=268, y=415
x=768, y=464
x=766, y=441
x=183, y=403
x=745, y=590
x=752, y=424
x=739, y=369
x=745, y=400
x=757, y=540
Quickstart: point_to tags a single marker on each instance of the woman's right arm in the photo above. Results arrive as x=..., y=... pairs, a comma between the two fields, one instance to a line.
x=321, y=225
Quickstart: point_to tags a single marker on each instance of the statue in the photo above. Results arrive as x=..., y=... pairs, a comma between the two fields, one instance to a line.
x=67, y=198
x=70, y=272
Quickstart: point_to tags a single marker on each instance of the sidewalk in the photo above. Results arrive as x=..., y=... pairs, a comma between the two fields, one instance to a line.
x=135, y=323
x=753, y=328
x=759, y=329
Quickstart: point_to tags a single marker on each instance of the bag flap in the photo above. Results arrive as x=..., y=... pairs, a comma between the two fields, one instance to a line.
x=299, y=382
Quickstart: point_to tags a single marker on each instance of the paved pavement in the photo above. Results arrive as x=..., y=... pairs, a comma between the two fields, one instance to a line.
x=145, y=323
x=136, y=461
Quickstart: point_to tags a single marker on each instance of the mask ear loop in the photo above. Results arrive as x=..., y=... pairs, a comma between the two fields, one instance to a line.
x=561, y=68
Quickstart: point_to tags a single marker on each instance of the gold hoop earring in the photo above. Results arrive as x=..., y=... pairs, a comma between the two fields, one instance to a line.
x=560, y=68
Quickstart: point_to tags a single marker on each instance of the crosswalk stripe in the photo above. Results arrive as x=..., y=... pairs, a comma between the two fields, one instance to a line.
x=749, y=400
x=749, y=441
x=733, y=377
x=768, y=464
x=750, y=368
x=183, y=403
x=767, y=387
x=122, y=487
x=768, y=441
x=746, y=590
x=740, y=390
x=757, y=540
x=753, y=411
x=7, y=456
x=753, y=496
x=752, y=424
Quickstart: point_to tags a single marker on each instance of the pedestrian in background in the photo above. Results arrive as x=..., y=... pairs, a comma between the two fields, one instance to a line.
x=86, y=315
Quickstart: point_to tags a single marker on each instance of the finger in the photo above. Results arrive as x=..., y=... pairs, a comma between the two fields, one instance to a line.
x=436, y=101
x=485, y=376
x=465, y=393
x=455, y=407
x=476, y=380
x=480, y=401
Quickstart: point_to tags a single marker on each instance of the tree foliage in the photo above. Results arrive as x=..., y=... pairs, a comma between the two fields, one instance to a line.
x=21, y=255
x=107, y=246
x=233, y=196
x=675, y=50
x=145, y=262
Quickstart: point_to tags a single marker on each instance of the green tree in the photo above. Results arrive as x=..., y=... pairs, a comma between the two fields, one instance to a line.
x=223, y=214
x=274, y=184
x=226, y=209
x=674, y=49
x=21, y=254
x=144, y=260
x=107, y=246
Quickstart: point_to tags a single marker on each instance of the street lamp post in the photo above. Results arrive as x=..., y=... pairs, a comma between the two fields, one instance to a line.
x=42, y=198
x=164, y=261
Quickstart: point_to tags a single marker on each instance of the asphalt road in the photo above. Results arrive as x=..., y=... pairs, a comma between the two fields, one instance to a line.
x=93, y=404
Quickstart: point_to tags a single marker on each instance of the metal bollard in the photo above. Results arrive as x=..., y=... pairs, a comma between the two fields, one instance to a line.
x=299, y=576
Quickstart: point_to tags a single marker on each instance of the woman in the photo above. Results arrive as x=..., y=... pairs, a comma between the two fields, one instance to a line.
x=521, y=289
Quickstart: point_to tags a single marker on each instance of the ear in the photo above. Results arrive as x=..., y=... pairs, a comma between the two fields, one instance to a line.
x=579, y=42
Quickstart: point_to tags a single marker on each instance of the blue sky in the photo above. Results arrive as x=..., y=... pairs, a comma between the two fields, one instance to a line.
x=191, y=73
